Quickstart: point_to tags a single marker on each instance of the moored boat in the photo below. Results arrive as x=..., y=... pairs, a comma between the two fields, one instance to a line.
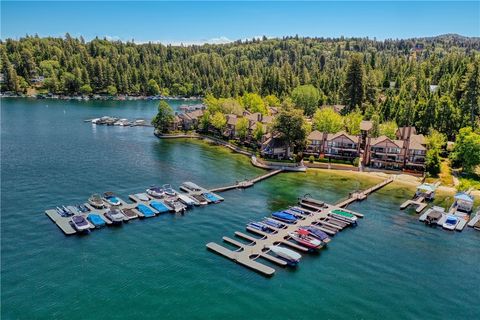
x=114, y=215
x=200, y=199
x=283, y=216
x=176, y=205
x=146, y=211
x=111, y=199
x=190, y=187
x=96, y=220
x=169, y=191
x=188, y=201
x=450, y=223
x=302, y=237
x=160, y=206
x=274, y=223
x=292, y=257
x=259, y=226
x=96, y=201
x=142, y=196
x=156, y=192
x=210, y=197
x=317, y=233
x=80, y=224
x=343, y=215
x=130, y=214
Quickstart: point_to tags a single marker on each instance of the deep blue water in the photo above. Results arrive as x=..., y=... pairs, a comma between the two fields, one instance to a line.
x=389, y=267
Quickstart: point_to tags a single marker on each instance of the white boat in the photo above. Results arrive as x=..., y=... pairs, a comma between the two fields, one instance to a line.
x=190, y=187
x=156, y=192
x=142, y=196
x=291, y=256
x=450, y=223
x=187, y=200
x=80, y=223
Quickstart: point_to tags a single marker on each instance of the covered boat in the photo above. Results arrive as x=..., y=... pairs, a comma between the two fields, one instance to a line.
x=80, y=224
x=130, y=213
x=190, y=187
x=156, y=192
x=189, y=202
x=82, y=208
x=292, y=257
x=96, y=220
x=200, y=199
x=160, y=206
x=283, y=216
x=112, y=199
x=210, y=197
x=317, y=233
x=142, y=196
x=426, y=190
x=114, y=215
x=463, y=202
x=303, y=238
x=259, y=226
x=450, y=223
x=274, y=223
x=343, y=215
x=146, y=211
x=96, y=201
x=433, y=217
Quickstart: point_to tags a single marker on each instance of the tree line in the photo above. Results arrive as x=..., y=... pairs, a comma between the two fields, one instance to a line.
x=428, y=83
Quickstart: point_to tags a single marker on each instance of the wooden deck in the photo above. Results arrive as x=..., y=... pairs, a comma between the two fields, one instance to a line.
x=247, y=183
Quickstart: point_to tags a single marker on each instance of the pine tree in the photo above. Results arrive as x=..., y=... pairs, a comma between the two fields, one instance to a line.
x=353, y=86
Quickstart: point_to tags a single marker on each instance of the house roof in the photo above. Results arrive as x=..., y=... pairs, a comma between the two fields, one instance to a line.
x=332, y=136
x=232, y=119
x=375, y=141
x=366, y=125
x=414, y=144
x=427, y=187
x=464, y=197
x=315, y=135
x=420, y=138
x=403, y=132
x=195, y=114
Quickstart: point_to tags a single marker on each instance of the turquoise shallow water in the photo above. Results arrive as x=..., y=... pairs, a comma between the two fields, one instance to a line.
x=389, y=267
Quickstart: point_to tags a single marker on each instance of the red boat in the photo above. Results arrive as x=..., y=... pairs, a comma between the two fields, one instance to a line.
x=302, y=237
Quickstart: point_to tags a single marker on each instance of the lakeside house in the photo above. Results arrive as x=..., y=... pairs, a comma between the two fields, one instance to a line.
x=274, y=148
x=339, y=145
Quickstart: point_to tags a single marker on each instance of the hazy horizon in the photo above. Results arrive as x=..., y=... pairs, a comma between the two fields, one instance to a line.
x=199, y=22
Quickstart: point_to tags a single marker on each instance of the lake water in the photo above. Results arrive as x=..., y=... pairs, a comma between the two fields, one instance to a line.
x=389, y=267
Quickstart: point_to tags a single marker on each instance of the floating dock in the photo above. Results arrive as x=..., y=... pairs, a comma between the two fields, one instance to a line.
x=475, y=221
x=443, y=217
x=248, y=253
x=64, y=222
x=317, y=213
x=247, y=183
x=419, y=202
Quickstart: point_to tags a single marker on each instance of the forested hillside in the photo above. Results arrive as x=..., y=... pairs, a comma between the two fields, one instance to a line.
x=430, y=82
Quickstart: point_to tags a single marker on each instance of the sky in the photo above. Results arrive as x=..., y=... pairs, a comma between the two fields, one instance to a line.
x=219, y=22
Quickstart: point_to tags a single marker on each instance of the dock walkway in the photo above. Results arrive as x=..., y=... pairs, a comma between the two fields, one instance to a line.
x=316, y=213
x=247, y=183
x=359, y=196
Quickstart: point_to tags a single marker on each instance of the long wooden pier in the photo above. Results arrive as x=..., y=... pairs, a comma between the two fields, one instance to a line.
x=316, y=213
x=247, y=183
x=359, y=196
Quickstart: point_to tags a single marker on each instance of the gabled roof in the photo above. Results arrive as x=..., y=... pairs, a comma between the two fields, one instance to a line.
x=375, y=141
x=315, y=135
x=403, y=132
x=415, y=145
x=464, y=197
x=232, y=119
x=420, y=138
x=332, y=136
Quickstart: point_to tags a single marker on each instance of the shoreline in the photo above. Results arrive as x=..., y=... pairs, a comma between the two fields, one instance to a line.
x=98, y=97
x=401, y=179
